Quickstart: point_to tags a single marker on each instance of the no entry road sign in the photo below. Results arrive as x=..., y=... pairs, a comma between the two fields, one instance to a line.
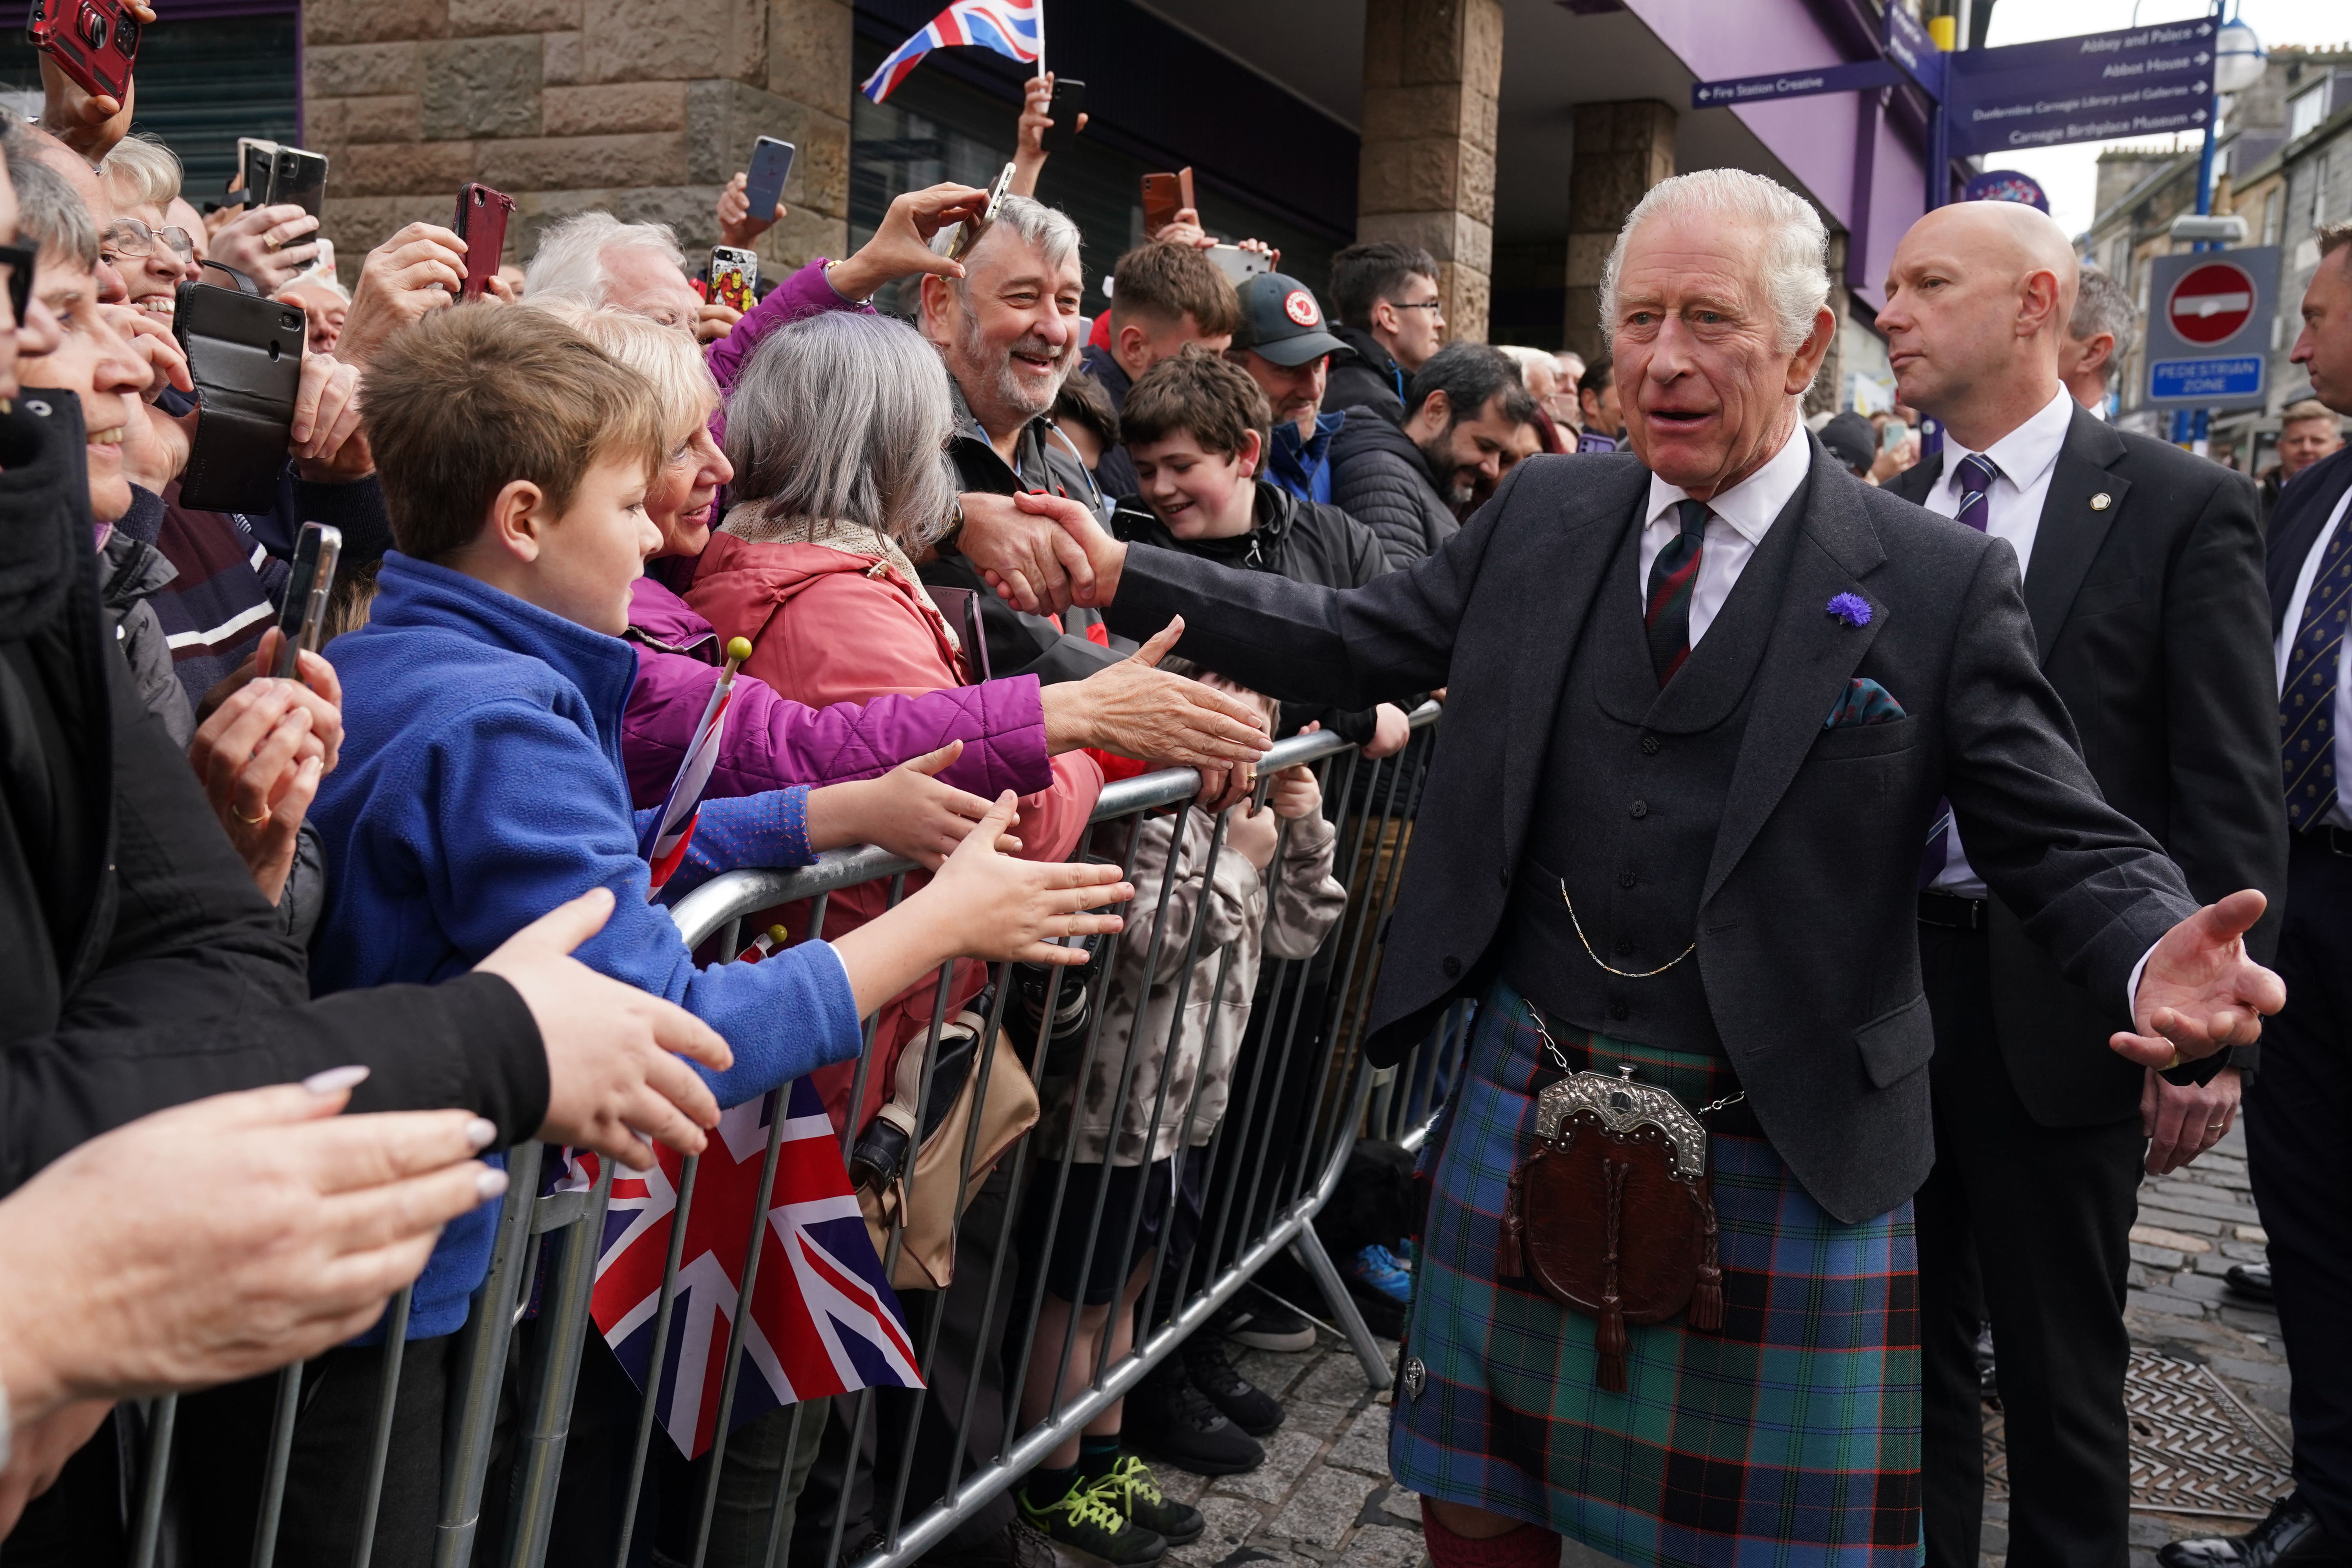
x=2209, y=329
x=2210, y=304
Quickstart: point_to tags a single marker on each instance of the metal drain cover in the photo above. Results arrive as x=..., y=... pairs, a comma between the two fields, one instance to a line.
x=2196, y=1448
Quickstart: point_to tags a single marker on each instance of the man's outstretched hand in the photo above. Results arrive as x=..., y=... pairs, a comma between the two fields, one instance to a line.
x=1137, y=709
x=619, y=1060
x=2199, y=992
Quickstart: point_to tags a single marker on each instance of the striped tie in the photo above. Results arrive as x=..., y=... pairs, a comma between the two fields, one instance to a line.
x=2308, y=697
x=1973, y=477
x=1672, y=576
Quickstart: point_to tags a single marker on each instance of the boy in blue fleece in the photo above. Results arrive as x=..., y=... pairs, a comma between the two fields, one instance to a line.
x=480, y=782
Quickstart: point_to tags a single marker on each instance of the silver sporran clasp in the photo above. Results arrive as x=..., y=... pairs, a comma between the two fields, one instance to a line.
x=1621, y=1105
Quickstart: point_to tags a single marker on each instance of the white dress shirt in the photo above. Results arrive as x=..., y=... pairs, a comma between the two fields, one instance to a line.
x=2026, y=457
x=1739, y=518
x=2342, y=816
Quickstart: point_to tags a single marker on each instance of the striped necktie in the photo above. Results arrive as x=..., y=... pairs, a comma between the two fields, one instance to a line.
x=1672, y=578
x=2308, y=695
x=1972, y=476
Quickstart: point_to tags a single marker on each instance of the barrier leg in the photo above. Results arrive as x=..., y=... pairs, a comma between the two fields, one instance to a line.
x=1309, y=1247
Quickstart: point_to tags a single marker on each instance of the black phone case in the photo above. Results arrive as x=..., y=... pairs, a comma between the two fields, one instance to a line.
x=1069, y=102
x=244, y=355
x=299, y=177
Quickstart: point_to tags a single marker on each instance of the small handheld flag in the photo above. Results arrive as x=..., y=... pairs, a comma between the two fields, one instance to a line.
x=824, y=1319
x=1013, y=28
x=666, y=839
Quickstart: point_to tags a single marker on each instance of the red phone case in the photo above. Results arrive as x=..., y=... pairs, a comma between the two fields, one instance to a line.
x=94, y=42
x=481, y=223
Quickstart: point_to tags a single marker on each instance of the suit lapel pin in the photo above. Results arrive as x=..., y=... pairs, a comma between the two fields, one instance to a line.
x=2101, y=502
x=1850, y=609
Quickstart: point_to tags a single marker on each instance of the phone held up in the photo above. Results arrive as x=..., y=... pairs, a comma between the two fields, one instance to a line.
x=481, y=223
x=94, y=42
x=1069, y=101
x=763, y=183
x=1165, y=195
x=968, y=232
x=303, y=619
x=244, y=356
x=1240, y=266
x=734, y=277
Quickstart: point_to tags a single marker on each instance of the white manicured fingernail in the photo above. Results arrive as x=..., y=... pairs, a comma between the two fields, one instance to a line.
x=490, y=1183
x=479, y=1131
x=334, y=1078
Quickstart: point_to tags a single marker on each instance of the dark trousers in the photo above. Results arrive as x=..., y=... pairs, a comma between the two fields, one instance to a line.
x=2299, y=1145
x=2027, y=1227
x=915, y=1433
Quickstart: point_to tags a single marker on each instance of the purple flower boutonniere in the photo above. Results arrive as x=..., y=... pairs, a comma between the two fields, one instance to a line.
x=1850, y=609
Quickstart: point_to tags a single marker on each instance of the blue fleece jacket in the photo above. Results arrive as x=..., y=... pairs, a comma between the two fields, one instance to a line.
x=479, y=787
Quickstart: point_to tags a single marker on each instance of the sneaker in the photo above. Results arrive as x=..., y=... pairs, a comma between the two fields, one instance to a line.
x=1250, y=1407
x=1085, y=1521
x=1171, y=1420
x=1375, y=1269
x=1257, y=1319
x=1134, y=1490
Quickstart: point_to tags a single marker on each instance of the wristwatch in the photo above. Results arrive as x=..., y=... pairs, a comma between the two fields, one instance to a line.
x=955, y=525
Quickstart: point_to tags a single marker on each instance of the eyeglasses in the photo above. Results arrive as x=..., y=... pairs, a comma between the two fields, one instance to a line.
x=128, y=236
x=19, y=263
x=1417, y=305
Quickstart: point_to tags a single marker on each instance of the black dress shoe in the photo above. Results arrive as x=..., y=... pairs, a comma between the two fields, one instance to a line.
x=2252, y=1280
x=2290, y=1536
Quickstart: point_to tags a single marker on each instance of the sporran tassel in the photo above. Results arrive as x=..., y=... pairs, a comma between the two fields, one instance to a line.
x=1608, y=1341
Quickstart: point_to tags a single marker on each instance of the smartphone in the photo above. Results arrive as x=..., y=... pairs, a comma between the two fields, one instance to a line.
x=1893, y=434
x=304, y=614
x=244, y=356
x=1069, y=102
x=968, y=232
x=763, y=184
x=482, y=224
x=298, y=176
x=734, y=277
x=94, y=42
x=1165, y=195
x=1239, y=266
x=255, y=157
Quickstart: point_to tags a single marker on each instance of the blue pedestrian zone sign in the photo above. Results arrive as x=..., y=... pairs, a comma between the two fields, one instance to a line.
x=2239, y=375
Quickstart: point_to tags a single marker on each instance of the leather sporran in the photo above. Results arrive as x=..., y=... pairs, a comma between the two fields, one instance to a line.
x=1614, y=1214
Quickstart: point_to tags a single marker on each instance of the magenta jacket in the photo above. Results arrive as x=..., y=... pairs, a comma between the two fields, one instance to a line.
x=773, y=743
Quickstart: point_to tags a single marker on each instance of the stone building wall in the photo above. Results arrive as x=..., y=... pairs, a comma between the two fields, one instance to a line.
x=644, y=107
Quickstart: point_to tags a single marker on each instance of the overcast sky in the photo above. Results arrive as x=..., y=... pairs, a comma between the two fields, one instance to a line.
x=2070, y=173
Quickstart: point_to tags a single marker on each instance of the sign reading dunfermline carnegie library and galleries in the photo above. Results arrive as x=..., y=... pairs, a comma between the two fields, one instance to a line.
x=2151, y=80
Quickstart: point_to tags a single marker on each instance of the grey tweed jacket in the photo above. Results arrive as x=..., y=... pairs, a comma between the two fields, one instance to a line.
x=1806, y=930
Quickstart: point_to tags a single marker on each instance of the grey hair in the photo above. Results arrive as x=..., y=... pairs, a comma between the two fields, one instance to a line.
x=1048, y=230
x=2103, y=305
x=50, y=216
x=843, y=417
x=570, y=260
x=143, y=172
x=1793, y=246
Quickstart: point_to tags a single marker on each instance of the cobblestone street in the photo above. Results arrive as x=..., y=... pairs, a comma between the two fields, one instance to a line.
x=1324, y=1493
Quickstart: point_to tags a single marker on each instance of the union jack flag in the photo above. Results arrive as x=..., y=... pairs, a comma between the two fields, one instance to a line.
x=823, y=1319
x=667, y=835
x=1013, y=28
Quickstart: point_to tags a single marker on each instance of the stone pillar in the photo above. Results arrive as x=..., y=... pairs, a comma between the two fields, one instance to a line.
x=1426, y=176
x=1621, y=150
x=643, y=107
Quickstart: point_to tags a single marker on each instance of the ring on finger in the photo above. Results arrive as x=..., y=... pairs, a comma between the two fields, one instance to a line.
x=250, y=821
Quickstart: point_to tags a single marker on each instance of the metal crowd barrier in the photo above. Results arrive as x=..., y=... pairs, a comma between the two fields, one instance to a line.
x=1261, y=1198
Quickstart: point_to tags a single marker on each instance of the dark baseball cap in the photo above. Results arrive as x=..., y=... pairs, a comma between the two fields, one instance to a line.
x=1281, y=320
x=1849, y=439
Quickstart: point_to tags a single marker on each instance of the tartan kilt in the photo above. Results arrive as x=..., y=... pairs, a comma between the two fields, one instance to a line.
x=1790, y=1436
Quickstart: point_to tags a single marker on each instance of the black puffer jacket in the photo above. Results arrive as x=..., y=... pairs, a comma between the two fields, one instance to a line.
x=1306, y=541
x=1380, y=478
x=131, y=572
x=143, y=969
x=1367, y=376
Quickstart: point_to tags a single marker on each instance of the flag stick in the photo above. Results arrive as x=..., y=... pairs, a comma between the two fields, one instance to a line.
x=1041, y=37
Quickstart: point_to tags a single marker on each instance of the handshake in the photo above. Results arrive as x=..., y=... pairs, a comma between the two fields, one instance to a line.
x=1041, y=553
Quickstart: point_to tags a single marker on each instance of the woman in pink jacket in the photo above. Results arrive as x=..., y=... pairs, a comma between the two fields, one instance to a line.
x=1009, y=728
x=836, y=431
